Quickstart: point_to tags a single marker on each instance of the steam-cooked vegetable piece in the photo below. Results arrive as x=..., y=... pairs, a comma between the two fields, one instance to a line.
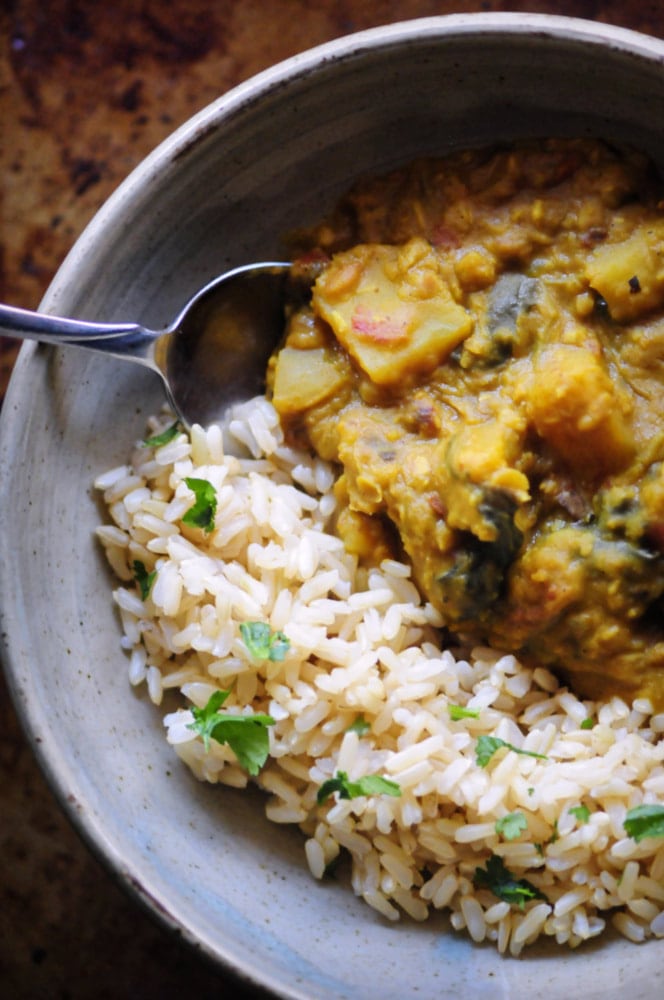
x=586, y=596
x=502, y=332
x=652, y=502
x=629, y=274
x=512, y=295
x=476, y=578
x=392, y=308
x=475, y=470
x=303, y=378
x=576, y=407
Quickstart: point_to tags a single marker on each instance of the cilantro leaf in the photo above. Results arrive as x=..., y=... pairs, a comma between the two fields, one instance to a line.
x=246, y=735
x=143, y=578
x=488, y=745
x=263, y=643
x=503, y=884
x=582, y=813
x=160, y=439
x=202, y=513
x=205, y=719
x=457, y=712
x=248, y=738
x=644, y=821
x=512, y=825
x=359, y=726
x=370, y=784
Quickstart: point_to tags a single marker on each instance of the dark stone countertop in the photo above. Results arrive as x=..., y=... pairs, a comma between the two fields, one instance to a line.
x=87, y=89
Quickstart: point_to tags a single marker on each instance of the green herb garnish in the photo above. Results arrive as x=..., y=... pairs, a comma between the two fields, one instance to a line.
x=503, y=884
x=246, y=735
x=644, y=821
x=359, y=726
x=458, y=712
x=143, y=578
x=370, y=784
x=201, y=515
x=512, y=825
x=488, y=745
x=160, y=439
x=263, y=643
x=582, y=813
x=587, y=724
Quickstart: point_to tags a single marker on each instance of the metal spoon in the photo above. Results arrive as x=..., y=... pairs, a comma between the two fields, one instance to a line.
x=215, y=353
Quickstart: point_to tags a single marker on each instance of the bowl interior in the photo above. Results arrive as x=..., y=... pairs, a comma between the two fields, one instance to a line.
x=272, y=155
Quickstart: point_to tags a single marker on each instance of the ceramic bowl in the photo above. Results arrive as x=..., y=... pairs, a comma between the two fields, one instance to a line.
x=272, y=154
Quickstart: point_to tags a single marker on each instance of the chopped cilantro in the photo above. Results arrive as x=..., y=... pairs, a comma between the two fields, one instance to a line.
x=582, y=813
x=246, y=735
x=370, y=784
x=263, y=643
x=143, y=578
x=359, y=726
x=587, y=724
x=201, y=514
x=488, y=745
x=458, y=712
x=503, y=884
x=512, y=825
x=160, y=439
x=645, y=821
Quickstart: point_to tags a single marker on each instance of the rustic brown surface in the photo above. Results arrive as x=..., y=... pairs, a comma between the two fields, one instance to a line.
x=87, y=89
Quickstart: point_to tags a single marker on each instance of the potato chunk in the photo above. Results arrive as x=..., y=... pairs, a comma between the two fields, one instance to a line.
x=629, y=275
x=575, y=406
x=304, y=378
x=391, y=308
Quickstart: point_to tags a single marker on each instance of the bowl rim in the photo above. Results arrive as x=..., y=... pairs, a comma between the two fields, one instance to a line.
x=186, y=136
x=77, y=266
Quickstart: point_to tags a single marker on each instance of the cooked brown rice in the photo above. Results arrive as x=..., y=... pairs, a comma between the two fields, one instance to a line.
x=363, y=643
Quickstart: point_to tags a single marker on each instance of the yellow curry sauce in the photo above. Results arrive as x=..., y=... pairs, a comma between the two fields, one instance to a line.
x=483, y=355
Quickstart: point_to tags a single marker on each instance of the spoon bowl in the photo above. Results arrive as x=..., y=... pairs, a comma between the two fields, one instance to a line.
x=212, y=355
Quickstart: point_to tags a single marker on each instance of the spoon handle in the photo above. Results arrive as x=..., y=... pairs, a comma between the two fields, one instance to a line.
x=114, y=338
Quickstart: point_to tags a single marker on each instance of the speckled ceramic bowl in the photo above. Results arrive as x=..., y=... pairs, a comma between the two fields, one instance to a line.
x=273, y=153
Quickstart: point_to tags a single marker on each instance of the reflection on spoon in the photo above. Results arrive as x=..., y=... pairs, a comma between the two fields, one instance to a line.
x=215, y=352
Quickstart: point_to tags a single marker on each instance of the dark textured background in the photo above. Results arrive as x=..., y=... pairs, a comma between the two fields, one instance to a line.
x=87, y=89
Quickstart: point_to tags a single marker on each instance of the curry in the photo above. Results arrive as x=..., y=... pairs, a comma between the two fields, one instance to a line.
x=482, y=353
